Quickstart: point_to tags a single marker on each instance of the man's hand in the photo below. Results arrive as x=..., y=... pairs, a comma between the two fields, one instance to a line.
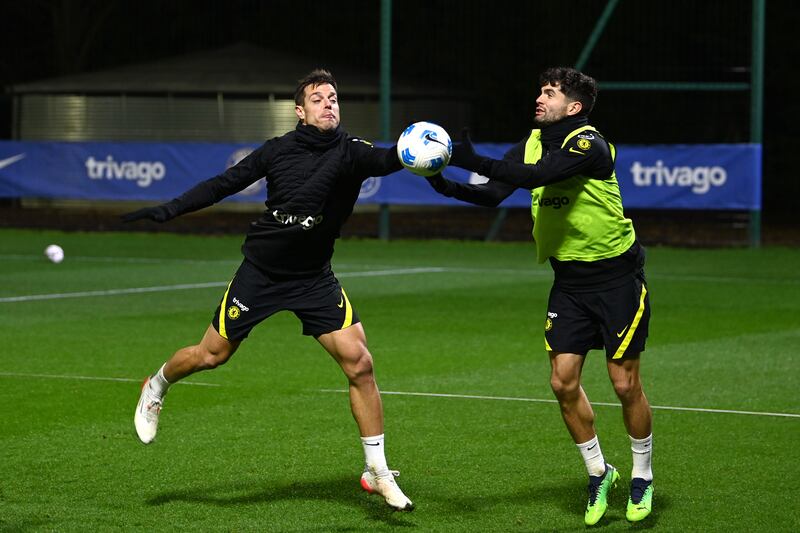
x=439, y=184
x=158, y=213
x=464, y=155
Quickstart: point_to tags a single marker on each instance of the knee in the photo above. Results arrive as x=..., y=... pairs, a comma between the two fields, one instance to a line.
x=627, y=388
x=212, y=358
x=564, y=388
x=359, y=366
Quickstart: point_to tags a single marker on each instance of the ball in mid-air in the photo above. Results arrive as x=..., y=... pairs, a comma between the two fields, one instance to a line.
x=424, y=148
x=54, y=253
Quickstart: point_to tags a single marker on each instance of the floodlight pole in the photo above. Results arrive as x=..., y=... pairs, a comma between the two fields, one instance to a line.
x=596, y=33
x=385, y=100
x=757, y=102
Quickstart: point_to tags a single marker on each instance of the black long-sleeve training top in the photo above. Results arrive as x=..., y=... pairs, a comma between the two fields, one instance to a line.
x=313, y=182
x=557, y=164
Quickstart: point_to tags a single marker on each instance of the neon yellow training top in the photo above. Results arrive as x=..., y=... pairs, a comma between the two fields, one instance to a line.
x=579, y=218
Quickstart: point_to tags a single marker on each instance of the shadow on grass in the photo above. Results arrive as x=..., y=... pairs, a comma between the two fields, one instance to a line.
x=567, y=498
x=343, y=490
x=564, y=497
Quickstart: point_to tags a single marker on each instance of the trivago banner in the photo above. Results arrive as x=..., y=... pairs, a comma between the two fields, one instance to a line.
x=708, y=176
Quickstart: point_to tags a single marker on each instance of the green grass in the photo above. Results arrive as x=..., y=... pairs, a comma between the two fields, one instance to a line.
x=267, y=449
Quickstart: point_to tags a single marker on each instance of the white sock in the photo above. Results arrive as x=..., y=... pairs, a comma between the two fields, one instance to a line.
x=158, y=383
x=374, y=455
x=593, y=457
x=642, y=457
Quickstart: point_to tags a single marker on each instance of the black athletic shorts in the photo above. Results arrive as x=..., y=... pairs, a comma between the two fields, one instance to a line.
x=616, y=319
x=252, y=296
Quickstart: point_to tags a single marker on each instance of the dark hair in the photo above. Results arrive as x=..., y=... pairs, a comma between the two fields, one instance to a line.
x=318, y=76
x=575, y=84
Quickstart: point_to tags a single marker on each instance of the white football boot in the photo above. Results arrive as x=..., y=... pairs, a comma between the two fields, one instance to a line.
x=387, y=487
x=147, y=411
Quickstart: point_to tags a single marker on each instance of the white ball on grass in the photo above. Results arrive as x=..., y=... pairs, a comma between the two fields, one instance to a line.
x=54, y=253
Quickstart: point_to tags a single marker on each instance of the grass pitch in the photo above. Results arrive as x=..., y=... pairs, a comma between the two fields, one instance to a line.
x=267, y=443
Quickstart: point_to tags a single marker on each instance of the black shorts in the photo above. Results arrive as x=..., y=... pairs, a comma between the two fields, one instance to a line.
x=616, y=319
x=252, y=296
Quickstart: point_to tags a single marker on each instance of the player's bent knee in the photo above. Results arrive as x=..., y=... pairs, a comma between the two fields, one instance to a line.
x=360, y=368
x=213, y=361
x=563, y=389
x=627, y=388
x=209, y=359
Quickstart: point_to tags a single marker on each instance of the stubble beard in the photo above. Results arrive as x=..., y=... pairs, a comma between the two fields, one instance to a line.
x=546, y=120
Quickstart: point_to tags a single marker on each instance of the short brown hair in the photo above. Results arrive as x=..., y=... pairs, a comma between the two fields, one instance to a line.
x=575, y=84
x=318, y=76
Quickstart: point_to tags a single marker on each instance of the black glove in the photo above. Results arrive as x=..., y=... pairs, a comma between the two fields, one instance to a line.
x=159, y=213
x=464, y=155
x=439, y=184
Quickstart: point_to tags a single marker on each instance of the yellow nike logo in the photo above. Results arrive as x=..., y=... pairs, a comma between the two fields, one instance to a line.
x=574, y=151
x=341, y=303
x=621, y=333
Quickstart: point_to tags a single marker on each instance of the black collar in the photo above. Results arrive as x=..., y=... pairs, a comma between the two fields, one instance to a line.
x=318, y=140
x=556, y=133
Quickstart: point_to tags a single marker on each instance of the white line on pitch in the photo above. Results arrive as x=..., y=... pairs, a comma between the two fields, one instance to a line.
x=540, y=400
x=95, y=378
x=112, y=292
x=392, y=272
x=185, y=286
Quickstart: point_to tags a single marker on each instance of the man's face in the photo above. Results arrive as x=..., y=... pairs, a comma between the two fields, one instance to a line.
x=320, y=107
x=553, y=105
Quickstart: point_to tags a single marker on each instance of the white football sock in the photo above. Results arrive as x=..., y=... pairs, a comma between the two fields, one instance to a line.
x=642, y=457
x=374, y=455
x=593, y=457
x=158, y=383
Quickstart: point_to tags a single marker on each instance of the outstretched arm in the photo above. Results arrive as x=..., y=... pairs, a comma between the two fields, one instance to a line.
x=198, y=197
x=557, y=165
x=208, y=192
x=370, y=160
x=488, y=194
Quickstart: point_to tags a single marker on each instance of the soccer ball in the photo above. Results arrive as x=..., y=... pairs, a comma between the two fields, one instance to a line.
x=424, y=148
x=54, y=253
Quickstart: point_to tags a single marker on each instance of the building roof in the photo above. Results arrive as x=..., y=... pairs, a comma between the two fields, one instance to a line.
x=240, y=68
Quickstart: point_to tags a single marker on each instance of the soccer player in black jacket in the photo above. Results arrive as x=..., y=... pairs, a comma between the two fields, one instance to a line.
x=314, y=175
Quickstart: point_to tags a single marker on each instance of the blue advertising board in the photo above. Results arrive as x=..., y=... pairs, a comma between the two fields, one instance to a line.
x=708, y=176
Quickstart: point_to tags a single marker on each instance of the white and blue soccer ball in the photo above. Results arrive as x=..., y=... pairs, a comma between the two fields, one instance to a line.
x=424, y=148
